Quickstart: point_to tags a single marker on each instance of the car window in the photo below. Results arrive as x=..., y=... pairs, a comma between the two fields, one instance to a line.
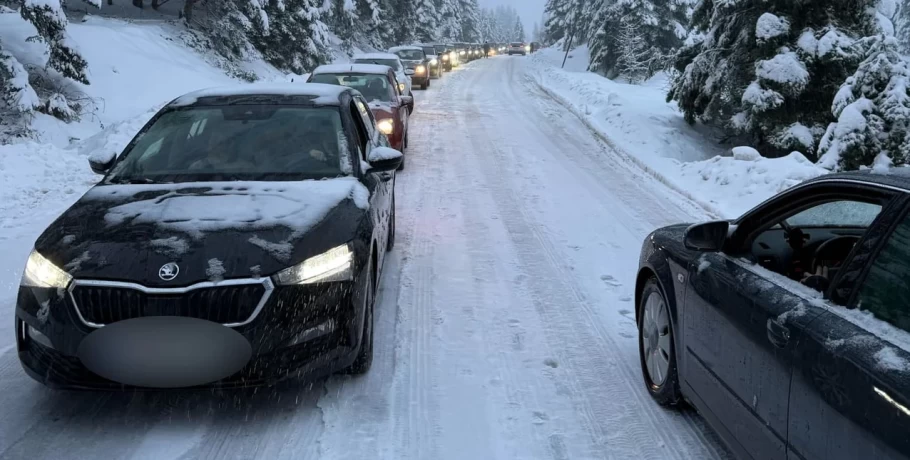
x=886, y=289
x=360, y=130
x=367, y=118
x=430, y=51
x=410, y=55
x=393, y=63
x=373, y=87
x=249, y=142
x=843, y=213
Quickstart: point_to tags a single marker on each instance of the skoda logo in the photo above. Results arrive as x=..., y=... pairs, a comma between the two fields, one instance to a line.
x=168, y=271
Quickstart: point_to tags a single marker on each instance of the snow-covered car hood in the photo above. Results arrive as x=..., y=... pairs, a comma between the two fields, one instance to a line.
x=211, y=230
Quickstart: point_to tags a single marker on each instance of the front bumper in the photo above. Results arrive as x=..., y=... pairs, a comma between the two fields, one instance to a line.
x=301, y=332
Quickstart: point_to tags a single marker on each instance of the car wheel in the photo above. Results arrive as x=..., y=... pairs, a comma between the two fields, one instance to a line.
x=390, y=242
x=364, y=358
x=655, y=346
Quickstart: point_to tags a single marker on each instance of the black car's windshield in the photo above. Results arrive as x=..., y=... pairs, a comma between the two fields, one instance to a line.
x=393, y=63
x=373, y=87
x=410, y=55
x=238, y=142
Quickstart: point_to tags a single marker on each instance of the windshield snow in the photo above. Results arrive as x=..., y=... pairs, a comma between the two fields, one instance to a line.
x=410, y=55
x=373, y=87
x=258, y=142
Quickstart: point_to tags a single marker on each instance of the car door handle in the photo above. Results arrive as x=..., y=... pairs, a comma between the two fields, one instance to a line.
x=778, y=334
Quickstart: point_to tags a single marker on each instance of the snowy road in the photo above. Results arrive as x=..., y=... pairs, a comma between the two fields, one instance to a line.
x=504, y=327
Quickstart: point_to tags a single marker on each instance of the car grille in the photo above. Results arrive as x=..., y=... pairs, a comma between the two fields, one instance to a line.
x=231, y=304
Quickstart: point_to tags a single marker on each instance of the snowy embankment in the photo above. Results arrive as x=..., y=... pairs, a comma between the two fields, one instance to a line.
x=637, y=121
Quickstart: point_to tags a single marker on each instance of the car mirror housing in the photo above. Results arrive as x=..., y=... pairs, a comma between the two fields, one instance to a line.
x=101, y=164
x=406, y=100
x=707, y=237
x=384, y=159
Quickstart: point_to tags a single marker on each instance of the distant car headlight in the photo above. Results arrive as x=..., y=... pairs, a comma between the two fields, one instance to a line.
x=420, y=69
x=461, y=53
x=42, y=273
x=528, y=49
x=445, y=57
x=336, y=264
x=434, y=62
x=386, y=126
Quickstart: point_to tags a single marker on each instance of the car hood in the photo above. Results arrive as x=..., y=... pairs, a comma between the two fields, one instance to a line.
x=382, y=110
x=212, y=231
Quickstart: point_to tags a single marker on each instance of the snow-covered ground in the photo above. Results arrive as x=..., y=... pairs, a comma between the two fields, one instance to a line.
x=644, y=129
x=504, y=324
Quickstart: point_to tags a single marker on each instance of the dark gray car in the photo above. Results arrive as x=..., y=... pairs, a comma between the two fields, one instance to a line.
x=415, y=61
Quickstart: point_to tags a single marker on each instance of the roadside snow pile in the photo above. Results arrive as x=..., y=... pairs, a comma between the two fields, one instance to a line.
x=639, y=124
x=736, y=184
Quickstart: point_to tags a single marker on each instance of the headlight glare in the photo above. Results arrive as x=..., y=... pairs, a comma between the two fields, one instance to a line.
x=42, y=273
x=434, y=62
x=386, y=126
x=420, y=69
x=336, y=264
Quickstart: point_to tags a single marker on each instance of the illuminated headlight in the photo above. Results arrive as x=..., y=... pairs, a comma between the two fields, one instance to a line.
x=420, y=69
x=445, y=57
x=336, y=264
x=386, y=125
x=461, y=53
x=528, y=49
x=41, y=273
x=401, y=87
x=434, y=62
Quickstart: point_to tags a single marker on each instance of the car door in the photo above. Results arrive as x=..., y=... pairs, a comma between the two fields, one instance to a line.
x=380, y=184
x=850, y=395
x=741, y=324
x=401, y=112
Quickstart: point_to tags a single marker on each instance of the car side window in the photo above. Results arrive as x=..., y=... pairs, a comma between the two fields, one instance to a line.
x=360, y=131
x=837, y=214
x=886, y=290
x=367, y=116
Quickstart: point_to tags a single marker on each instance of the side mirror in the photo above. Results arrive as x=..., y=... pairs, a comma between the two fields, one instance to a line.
x=406, y=100
x=101, y=163
x=707, y=237
x=409, y=71
x=384, y=159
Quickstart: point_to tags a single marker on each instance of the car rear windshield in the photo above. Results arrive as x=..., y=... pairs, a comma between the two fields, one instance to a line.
x=373, y=87
x=517, y=44
x=237, y=142
x=393, y=63
x=410, y=55
x=430, y=51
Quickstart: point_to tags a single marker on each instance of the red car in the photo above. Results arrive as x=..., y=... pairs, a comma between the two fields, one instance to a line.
x=380, y=90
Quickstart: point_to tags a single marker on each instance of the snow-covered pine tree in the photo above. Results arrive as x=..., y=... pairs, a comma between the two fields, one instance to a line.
x=50, y=22
x=449, y=20
x=487, y=22
x=342, y=20
x=427, y=21
x=635, y=59
x=470, y=20
x=295, y=37
x=769, y=69
x=404, y=24
x=16, y=94
x=372, y=17
x=663, y=30
x=872, y=109
x=518, y=31
x=556, y=26
x=902, y=26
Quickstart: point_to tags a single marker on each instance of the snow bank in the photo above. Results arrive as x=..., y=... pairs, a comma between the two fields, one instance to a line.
x=639, y=124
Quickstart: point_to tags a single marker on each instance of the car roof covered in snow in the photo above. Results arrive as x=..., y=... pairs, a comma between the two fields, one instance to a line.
x=896, y=177
x=405, y=47
x=315, y=93
x=374, y=56
x=353, y=68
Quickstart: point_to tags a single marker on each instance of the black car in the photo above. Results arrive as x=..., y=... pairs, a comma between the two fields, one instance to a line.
x=238, y=240
x=415, y=60
x=787, y=328
x=435, y=61
x=446, y=56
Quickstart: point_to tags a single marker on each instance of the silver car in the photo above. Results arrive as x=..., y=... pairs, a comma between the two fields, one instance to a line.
x=519, y=48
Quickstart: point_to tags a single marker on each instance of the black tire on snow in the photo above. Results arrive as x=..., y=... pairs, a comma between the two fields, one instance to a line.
x=364, y=359
x=666, y=394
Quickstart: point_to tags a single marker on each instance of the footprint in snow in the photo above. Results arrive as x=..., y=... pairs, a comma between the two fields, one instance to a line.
x=625, y=298
x=551, y=363
x=540, y=417
x=610, y=280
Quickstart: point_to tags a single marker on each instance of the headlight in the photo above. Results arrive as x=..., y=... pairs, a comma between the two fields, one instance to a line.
x=461, y=53
x=336, y=264
x=386, y=125
x=401, y=87
x=528, y=49
x=434, y=62
x=420, y=69
x=445, y=57
x=41, y=273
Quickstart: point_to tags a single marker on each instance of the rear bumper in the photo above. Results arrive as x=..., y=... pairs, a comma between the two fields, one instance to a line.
x=418, y=80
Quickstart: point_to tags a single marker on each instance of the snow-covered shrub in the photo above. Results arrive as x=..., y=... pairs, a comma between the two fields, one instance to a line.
x=15, y=91
x=58, y=106
x=48, y=18
x=872, y=109
x=769, y=69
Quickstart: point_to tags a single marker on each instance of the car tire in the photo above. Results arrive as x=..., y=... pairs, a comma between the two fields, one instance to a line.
x=390, y=241
x=364, y=359
x=655, y=337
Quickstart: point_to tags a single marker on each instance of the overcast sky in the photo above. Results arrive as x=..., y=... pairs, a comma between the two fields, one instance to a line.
x=529, y=10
